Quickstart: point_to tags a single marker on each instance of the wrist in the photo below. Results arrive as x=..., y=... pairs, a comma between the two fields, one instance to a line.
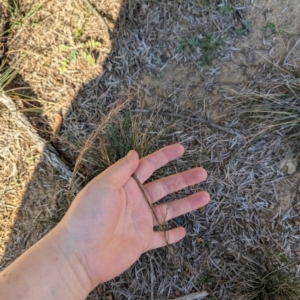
x=74, y=261
x=51, y=269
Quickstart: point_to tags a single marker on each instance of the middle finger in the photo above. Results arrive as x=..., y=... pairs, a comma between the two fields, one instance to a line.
x=158, y=189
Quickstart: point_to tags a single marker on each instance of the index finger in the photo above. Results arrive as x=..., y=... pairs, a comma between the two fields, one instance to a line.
x=156, y=160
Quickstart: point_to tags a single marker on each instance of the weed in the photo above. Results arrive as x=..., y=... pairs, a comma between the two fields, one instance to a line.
x=157, y=76
x=226, y=10
x=188, y=45
x=78, y=32
x=77, y=51
x=120, y=131
x=33, y=159
x=208, y=45
x=273, y=29
x=244, y=30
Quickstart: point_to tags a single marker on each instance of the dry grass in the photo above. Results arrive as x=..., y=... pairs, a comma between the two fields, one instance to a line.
x=73, y=53
x=264, y=275
x=169, y=97
x=18, y=158
x=276, y=109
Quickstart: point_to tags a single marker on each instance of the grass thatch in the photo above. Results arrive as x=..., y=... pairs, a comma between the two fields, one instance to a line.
x=265, y=275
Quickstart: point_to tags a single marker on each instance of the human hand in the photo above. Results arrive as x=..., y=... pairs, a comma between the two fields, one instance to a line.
x=110, y=224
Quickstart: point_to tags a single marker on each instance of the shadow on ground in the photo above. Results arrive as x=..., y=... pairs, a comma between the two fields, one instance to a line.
x=45, y=199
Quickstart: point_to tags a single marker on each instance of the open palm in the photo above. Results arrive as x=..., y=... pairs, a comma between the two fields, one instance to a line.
x=110, y=221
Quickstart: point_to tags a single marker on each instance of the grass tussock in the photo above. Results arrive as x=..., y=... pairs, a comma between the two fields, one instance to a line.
x=266, y=275
x=7, y=74
x=129, y=130
x=125, y=128
x=274, y=108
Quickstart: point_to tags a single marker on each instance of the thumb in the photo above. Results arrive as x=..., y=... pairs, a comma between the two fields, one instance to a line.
x=121, y=171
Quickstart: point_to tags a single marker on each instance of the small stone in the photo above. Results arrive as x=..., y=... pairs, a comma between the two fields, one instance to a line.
x=297, y=207
x=177, y=293
x=179, y=220
x=202, y=209
x=109, y=297
x=57, y=121
x=296, y=222
x=214, y=92
x=288, y=165
x=199, y=240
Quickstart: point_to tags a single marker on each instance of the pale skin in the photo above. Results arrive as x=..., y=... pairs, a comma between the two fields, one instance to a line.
x=107, y=228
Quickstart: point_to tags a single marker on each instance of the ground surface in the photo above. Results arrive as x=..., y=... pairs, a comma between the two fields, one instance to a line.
x=197, y=59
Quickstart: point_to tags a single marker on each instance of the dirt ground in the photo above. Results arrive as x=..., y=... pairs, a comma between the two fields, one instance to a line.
x=203, y=62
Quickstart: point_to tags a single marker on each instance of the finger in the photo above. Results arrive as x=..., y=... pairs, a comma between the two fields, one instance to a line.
x=156, y=160
x=121, y=171
x=172, y=236
x=167, y=211
x=162, y=187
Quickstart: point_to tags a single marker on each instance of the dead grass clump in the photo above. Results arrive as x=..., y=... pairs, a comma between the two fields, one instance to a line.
x=274, y=109
x=265, y=275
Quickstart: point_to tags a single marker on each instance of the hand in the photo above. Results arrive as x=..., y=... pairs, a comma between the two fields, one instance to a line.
x=110, y=224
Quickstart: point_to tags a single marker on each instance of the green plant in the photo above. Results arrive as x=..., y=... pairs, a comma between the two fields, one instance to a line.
x=226, y=10
x=208, y=45
x=78, y=31
x=272, y=28
x=244, y=29
x=210, y=4
x=157, y=76
x=7, y=74
x=127, y=130
x=189, y=46
x=77, y=51
x=18, y=17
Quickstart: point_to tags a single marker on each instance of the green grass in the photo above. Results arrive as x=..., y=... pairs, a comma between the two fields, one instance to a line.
x=244, y=30
x=7, y=74
x=17, y=17
x=208, y=45
x=272, y=29
x=121, y=130
x=226, y=9
x=126, y=131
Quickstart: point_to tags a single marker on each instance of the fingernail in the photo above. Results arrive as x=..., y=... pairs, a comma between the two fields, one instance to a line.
x=129, y=153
